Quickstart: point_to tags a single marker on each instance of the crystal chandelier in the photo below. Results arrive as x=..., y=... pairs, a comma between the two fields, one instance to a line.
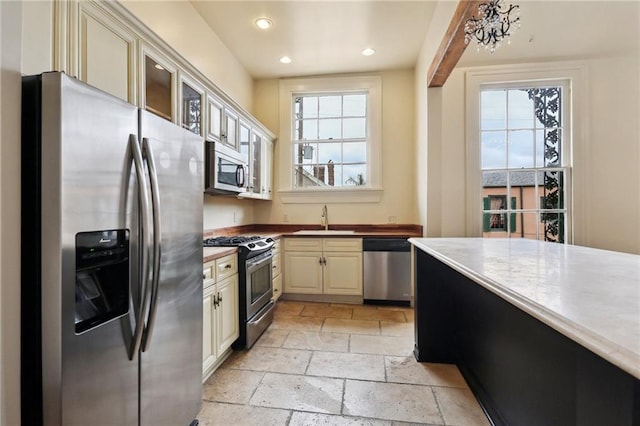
x=493, y=25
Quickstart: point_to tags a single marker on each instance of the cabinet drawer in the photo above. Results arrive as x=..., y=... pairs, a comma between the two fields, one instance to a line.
x=226, y=266
x=303, y=244
x=276, y=247
x=342, y=244
x=207, y=274
x=276, y=265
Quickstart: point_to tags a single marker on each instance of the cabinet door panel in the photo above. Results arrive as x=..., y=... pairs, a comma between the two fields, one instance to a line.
x=214, y=121
x=343, y=273
x=227, y=326
x=277, y=287
x=106, y=54
x=208, y=336
x=303, y=272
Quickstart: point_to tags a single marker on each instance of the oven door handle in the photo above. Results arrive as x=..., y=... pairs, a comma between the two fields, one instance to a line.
x=257, y=263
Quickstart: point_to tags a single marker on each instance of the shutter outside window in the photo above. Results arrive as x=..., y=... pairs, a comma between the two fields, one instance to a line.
x=486, y=217
x=512, y=216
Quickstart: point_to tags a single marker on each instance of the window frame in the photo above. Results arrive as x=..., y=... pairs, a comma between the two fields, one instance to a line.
x=289, y=88
x=571, y=76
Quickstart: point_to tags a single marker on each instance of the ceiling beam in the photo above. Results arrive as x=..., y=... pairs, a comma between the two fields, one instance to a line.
x=452, y=46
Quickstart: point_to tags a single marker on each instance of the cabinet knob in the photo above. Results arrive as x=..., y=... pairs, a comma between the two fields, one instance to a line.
x=227, y=266
x=204, y=277
x=219, y=298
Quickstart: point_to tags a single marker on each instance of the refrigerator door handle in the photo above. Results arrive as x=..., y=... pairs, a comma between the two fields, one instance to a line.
x=157, y=248
x=143, y=196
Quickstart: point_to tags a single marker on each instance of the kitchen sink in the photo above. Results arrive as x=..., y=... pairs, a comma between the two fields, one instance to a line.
x=323, y=232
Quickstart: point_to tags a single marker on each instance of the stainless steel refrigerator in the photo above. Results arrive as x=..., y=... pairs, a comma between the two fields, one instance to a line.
x=111, y=260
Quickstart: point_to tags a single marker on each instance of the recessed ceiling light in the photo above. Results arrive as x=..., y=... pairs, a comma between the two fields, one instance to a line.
x=285, y=60
x=368, y=51
x=264, y=23
x=159, y=67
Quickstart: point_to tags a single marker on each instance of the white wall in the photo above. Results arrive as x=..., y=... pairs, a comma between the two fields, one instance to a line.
x=10, y=86
x=613, y=195
x=398, y=166
x=428, y=125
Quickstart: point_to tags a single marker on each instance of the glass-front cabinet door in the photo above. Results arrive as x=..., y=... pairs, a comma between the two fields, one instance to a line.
x=192, y=96
x=158, y=85
x=214, y=111
x=244, y=141
x=255, y=164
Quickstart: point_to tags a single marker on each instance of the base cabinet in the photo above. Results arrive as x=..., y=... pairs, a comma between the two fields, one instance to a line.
x=276, y=274
x=323, y=266
x=220, y=326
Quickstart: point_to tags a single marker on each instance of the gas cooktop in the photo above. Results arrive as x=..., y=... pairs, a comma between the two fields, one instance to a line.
x=251, y=243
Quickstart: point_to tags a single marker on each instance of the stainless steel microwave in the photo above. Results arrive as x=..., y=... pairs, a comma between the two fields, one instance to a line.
x=225, y=170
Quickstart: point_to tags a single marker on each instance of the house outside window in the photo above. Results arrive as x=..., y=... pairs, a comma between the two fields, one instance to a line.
x=522, y=141
x=332, y=151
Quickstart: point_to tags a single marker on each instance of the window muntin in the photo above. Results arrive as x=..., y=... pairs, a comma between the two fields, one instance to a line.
x=521, y=140
x=330, y=139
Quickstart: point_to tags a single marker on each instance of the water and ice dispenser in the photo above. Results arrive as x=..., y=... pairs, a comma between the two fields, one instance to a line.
x=102, y=277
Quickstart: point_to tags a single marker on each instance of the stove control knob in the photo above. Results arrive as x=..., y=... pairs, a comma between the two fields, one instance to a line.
x=251, y=245
x=269, y=240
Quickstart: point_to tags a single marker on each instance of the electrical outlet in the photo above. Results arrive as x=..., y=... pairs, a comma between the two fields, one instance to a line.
x=393, y=219
x=285, y=217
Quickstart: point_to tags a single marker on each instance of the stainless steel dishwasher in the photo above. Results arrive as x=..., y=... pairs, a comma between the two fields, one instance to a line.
x=387, y=270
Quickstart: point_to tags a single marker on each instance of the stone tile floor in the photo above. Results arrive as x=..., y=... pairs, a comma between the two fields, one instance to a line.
x=334, y=364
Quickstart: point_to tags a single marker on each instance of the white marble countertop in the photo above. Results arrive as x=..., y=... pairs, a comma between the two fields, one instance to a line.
x=591, y=296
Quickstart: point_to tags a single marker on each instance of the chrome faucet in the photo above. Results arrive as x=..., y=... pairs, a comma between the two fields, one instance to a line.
x=324, y=218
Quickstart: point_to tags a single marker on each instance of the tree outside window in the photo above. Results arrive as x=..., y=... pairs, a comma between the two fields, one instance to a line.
x=521, y=139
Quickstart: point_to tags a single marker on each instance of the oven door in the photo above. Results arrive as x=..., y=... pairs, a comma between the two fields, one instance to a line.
x=259, y=286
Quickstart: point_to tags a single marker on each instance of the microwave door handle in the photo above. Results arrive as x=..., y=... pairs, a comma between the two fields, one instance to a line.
x=240, y=175
x=157, y=248
x=145, y=243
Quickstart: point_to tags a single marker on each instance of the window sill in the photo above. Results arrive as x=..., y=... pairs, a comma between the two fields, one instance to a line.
x=310, y=196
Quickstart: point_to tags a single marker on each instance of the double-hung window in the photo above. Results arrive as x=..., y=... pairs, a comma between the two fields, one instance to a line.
x=330, y=140
x=523, y=136
x=332, y=146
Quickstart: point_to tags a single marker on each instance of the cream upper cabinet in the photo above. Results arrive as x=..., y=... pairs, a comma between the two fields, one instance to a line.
x=323, y=266
x=191, y=95
x=230, y=132
x=106, y=52
x=158, y=85
x=255, y=164
x=214, y=118
x=244, y=140
x=260, y=166
x=223, y=123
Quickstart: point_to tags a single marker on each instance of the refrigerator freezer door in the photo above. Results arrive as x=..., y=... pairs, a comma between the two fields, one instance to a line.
x=86, y=186
x=171, y=364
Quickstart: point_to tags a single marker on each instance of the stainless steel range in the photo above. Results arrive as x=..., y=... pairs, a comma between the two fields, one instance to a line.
x=256, y=291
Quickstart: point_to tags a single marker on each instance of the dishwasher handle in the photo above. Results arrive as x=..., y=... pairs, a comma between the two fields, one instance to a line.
x=386, y=244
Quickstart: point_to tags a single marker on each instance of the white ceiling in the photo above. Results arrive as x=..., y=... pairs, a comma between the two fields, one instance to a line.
x=326, y=37
x=322, y=37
